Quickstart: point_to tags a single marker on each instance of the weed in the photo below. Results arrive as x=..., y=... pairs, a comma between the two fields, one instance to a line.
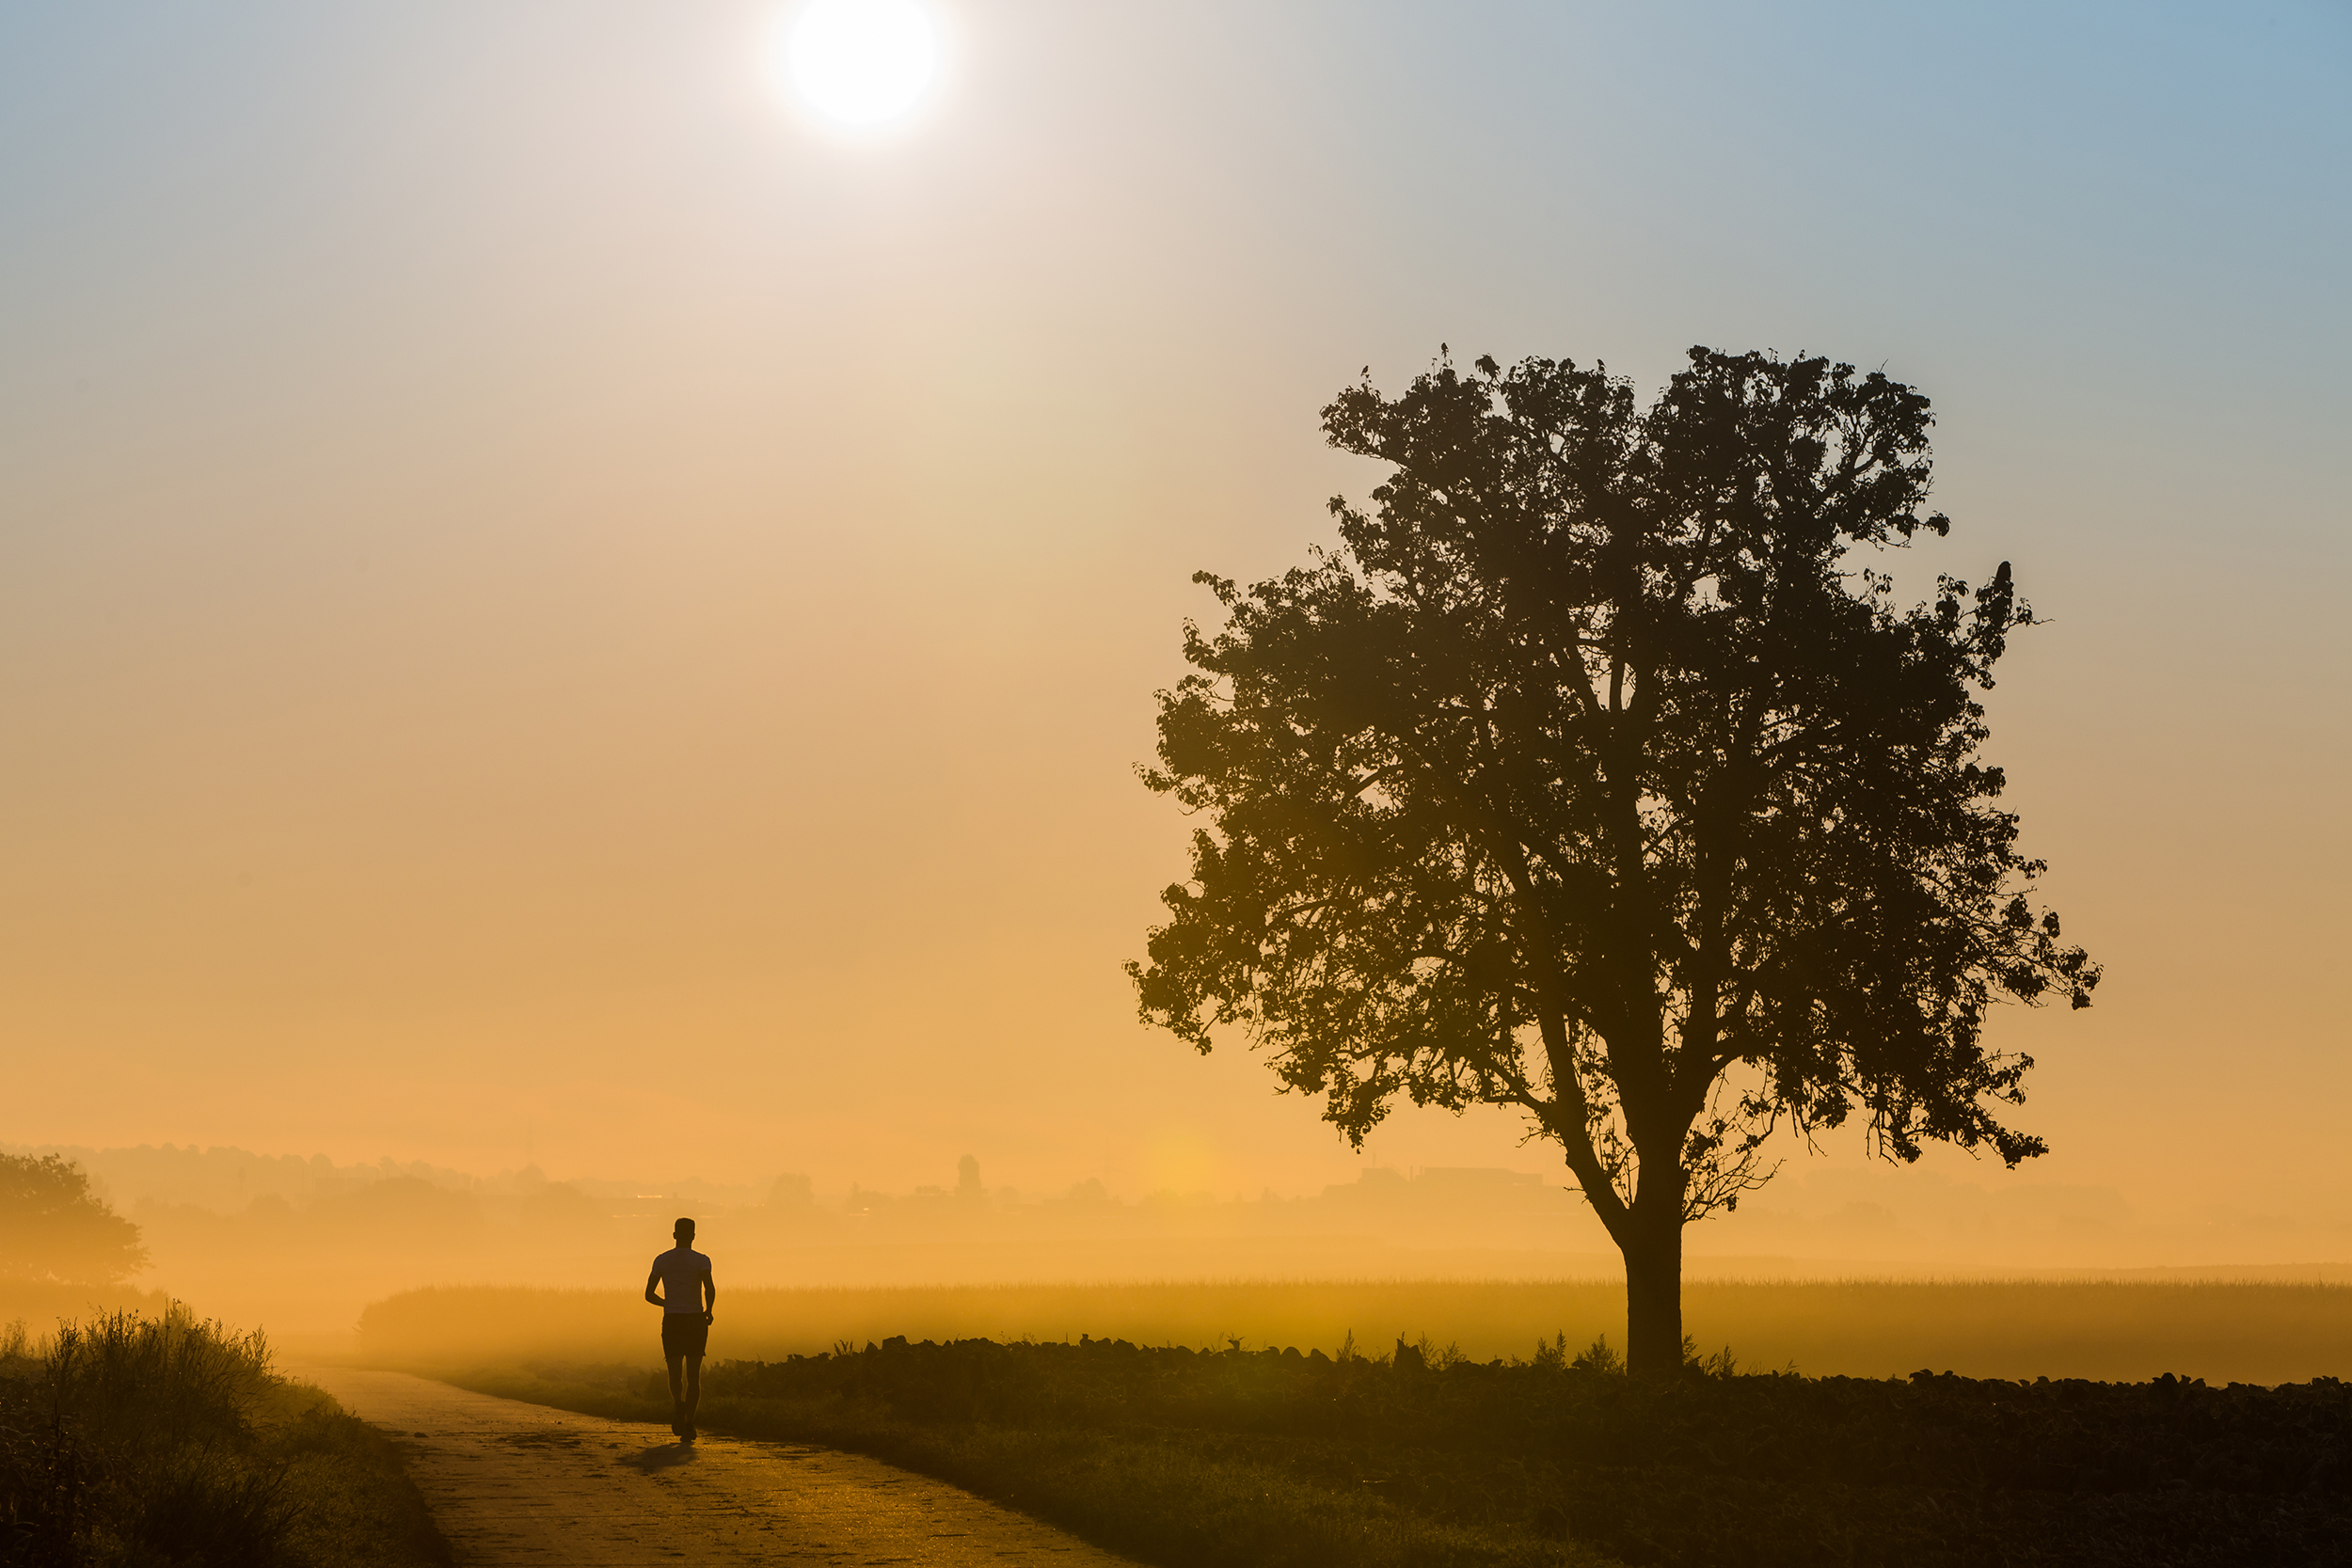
x=138, y=1440
x=1600, y=1357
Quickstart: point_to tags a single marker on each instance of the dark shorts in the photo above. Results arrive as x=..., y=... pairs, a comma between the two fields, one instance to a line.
x=684, y=1334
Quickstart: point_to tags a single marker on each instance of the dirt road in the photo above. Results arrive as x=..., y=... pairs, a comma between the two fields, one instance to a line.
x=516, y=1483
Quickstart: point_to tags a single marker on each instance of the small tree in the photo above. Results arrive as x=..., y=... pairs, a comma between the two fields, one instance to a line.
x=1590, y=779
x=53, y=1228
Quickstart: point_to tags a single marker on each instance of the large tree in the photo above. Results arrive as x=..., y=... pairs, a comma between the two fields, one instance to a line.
x=53, y=1228
x=1595, y=776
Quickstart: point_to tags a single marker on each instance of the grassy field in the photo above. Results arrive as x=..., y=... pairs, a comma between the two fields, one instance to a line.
x=2250, y=1333
x=134, y=1440
x=1185, y=1459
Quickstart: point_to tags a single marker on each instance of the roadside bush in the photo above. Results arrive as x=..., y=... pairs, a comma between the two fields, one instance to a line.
x=131, y=1441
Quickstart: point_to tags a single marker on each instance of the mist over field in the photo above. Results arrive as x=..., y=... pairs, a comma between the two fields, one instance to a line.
x=308, y=1247
x=2124, y=1330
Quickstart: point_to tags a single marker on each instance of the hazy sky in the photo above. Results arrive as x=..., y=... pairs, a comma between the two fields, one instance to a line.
x=542, y=599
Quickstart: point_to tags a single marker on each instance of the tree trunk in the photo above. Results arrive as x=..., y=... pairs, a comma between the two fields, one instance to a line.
x=1653, y=1292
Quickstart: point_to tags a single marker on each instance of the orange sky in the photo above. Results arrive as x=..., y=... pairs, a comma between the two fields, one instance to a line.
x=541, y=603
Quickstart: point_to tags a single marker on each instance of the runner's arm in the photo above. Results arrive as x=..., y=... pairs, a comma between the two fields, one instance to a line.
x=651, y=1280
x=711, y=1289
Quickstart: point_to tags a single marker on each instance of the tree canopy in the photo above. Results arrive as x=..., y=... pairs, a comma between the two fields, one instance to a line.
x=1593, y=776
x=53, y=1228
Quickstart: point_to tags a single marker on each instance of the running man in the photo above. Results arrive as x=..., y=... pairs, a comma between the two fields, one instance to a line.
x=686, y=1299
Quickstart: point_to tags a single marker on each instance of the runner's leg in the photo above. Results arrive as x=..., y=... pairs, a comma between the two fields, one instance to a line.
x=678, y=1390
x=694, y=1390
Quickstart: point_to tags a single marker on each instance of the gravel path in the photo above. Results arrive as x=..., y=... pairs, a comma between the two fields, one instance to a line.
x=515, y=1483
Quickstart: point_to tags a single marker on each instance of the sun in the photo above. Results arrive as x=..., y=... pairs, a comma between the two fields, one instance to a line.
x=857, y=64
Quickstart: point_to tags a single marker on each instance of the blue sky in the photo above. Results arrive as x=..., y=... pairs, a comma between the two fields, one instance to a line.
x=622, y=580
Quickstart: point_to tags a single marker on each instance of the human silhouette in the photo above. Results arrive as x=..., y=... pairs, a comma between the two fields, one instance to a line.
x=686, y=1296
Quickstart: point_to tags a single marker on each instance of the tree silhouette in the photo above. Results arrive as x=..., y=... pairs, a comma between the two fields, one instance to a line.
x=53, y=1228
x=1589, y=778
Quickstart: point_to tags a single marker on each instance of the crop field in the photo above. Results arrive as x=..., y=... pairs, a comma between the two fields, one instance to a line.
x=2267, y=1333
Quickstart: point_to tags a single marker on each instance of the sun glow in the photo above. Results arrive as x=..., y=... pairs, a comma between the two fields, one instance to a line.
x=857, y=64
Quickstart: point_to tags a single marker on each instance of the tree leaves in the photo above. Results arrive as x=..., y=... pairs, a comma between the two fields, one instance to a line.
x=1588, y=777
x=53, y=1228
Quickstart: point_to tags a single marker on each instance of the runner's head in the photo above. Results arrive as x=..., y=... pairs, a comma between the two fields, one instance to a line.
x=684, y=1231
